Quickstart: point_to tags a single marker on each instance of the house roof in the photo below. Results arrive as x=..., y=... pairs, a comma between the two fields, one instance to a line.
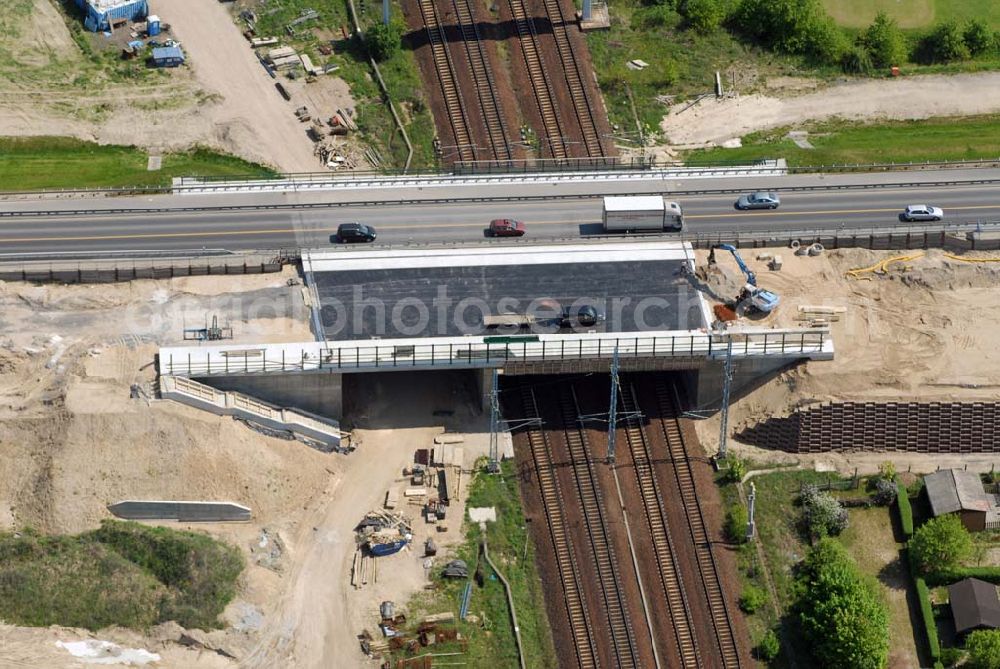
x=951, y=490
x=974, y=604
x=168, y=52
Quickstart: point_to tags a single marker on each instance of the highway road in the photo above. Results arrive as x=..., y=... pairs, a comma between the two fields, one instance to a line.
x=462, y=221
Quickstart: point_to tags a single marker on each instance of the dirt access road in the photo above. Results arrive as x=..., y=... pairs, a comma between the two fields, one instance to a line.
x=715, y=121
x=224, y=63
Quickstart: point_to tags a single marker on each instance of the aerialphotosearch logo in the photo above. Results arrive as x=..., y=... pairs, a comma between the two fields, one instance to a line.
x=364, y=315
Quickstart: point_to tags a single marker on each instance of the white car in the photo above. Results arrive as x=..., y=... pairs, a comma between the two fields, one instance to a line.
x=922, y=212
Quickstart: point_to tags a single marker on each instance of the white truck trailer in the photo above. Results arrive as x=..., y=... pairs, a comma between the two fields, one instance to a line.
x=642, y=213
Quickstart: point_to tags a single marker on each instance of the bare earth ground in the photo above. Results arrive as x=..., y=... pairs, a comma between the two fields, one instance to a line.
x=223, y=98
x=928, y=332
x=715, y=121
x=72, y=442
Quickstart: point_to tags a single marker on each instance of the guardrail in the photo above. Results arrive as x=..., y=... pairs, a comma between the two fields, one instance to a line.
x=642, y=165
x=351, y=356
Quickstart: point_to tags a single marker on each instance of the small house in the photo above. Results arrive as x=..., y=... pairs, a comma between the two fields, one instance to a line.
x=167, y=56
x=959, y=491
x=974, y=605
x=100, y=15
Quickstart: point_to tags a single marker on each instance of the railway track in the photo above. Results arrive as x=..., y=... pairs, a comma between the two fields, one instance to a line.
x=622, y=635
x=483, y=79
x=663, y=545
x=465, y=147
x=539, y=81
x=669, y=411
x=576, y=610
x=574, y=79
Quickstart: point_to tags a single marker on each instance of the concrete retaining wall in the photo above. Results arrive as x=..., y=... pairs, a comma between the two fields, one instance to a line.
x=227, y=403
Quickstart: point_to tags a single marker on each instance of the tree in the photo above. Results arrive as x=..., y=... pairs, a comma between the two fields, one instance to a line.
x=843, y=620
x=977, y=37
x=383, y=40
x=884, y=42
x=703, y=16
x=984, y=649
x=940, y=543
x=945, y=43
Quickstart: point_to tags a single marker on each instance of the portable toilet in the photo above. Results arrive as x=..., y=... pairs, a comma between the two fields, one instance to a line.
x=153, y=25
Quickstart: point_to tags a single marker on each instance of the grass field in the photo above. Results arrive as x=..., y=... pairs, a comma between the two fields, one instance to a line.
x=842, y=142
x=490, y=638
x=121, y=574
x=872, y=544
x=913, y=13
x=62, y=162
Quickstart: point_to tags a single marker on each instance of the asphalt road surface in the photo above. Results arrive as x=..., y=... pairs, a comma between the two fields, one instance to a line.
x=463, y=222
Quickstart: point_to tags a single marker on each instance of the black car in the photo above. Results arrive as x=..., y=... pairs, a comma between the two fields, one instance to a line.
x=348, y=233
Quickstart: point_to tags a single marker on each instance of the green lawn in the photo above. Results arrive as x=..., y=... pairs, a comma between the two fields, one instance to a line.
x=62, y=162
x=912, y=13
x=841, y=142
x=491, y=639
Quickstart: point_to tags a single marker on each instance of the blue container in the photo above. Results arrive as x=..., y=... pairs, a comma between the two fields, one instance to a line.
x=99, y=20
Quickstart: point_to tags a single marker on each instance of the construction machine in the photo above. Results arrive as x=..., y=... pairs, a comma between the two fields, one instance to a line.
x=751, y=296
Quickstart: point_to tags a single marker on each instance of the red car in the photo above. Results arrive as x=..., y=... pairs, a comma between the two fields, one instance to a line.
x=506, y=227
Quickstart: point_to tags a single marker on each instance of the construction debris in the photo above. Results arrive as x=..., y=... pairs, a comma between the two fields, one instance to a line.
x=456, y=569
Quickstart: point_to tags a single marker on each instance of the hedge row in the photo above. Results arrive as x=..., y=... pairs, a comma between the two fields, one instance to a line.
x=905, y=510
x=949, y=576
x=927, y=613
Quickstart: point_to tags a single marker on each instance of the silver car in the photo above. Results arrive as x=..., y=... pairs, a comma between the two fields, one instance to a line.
x=759, y=200
x=922, y=212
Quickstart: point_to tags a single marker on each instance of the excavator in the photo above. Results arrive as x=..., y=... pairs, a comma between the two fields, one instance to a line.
x=751, y=296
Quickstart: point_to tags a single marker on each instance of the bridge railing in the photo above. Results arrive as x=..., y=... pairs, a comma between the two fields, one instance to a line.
x=352, y=356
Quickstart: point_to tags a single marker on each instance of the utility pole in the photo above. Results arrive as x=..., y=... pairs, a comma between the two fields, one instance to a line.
x=727, y=376
x=385, y=12
x=751, y=523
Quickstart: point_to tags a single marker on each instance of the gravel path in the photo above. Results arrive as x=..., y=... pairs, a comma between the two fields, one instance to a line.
x=712, y=121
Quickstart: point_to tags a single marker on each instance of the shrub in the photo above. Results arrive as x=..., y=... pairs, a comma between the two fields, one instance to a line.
x=383, y=41
x=884, y=42
x=703, y=16
x=769, y=647
x=940, y=543
x=954, y=574
x=824, y=515
x=736, y=469
x=843, y=620
x=905, y=511
x=885, y=492
x=927, y=613
x=856, y=61
x=200, y=572
x=945, y=43
x=977, y=37
x=951, y=656
x=887, y=470
x=736, y=523
x=983, y=647
x=793, y=26
x=752, y=598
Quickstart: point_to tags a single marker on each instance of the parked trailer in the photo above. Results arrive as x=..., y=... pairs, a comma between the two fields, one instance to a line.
x=167, y=56
x=642, y=213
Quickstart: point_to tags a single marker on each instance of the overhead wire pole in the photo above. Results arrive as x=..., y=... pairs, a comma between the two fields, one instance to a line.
x=494, y=463
x=613, y=410
x=727, y=376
